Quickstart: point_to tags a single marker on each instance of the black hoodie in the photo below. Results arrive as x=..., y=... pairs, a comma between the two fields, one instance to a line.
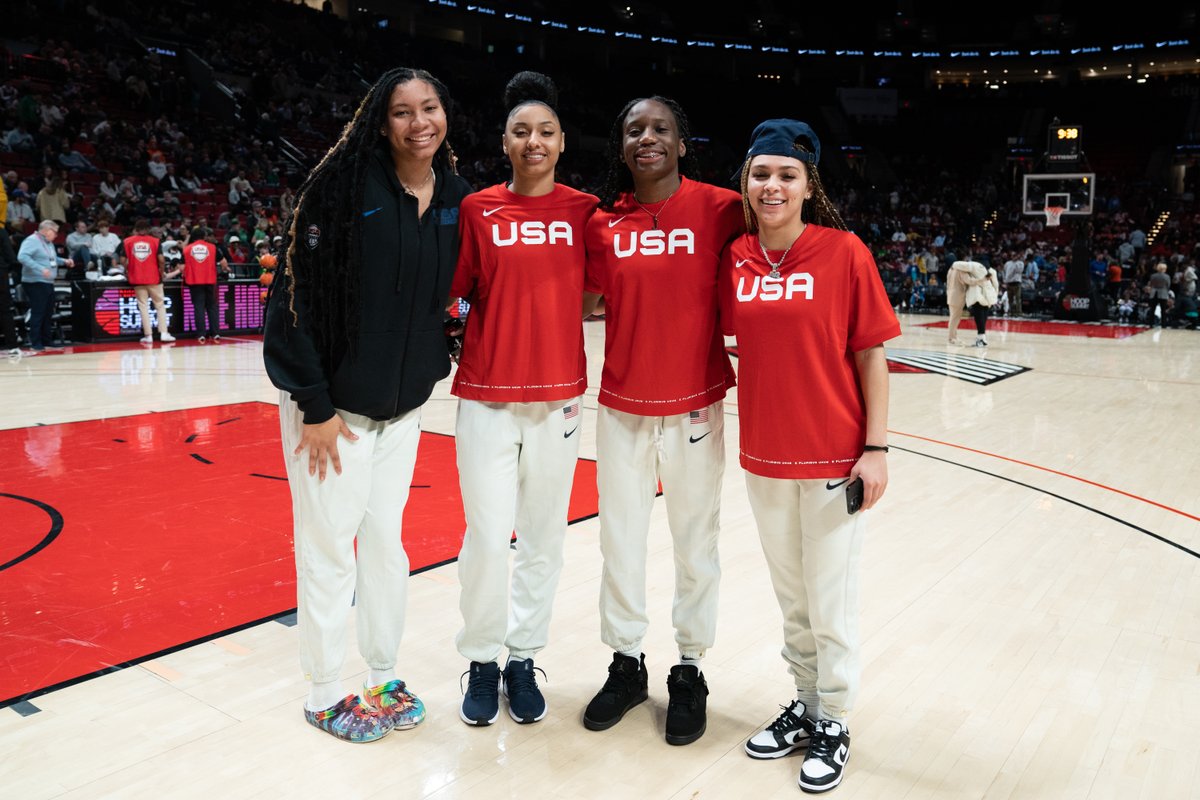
x=407, y=266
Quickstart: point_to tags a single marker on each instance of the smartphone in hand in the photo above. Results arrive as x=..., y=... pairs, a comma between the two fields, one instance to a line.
x=854, y=495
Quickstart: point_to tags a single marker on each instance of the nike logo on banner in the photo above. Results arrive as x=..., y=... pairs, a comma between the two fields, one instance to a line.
x=492, y=211
x=694, y=439
x=568, y=434
x=741, y=261
x=831, y=485
x=615, y=221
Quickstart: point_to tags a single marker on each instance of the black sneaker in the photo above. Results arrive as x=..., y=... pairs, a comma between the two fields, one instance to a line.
x=686, y=709
x=525, y=701
x=481, y=700
x=624, y=689
x=790, y=731
x=828, y=751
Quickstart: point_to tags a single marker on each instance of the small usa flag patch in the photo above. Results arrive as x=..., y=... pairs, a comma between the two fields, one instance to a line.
x=699, y=417
x=571, y=411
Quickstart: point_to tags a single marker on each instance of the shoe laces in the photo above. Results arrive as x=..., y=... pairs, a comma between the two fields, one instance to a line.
x=619, y=679
x=681, y=692
x=479, y=684
x=826, y=737
x=523, y=680
x=787, y=721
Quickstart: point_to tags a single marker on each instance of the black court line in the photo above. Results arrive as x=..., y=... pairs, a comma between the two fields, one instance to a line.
x=1039, y=490
x=286, y=617
x=226, y=421
x=200, y=458
x=25, y=708
x=13, y=701
x=268, y=477
x=56, y=526
x=122, y=441
x=191, y=438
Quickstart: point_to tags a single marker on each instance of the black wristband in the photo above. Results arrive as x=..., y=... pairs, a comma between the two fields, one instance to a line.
x=875, y=448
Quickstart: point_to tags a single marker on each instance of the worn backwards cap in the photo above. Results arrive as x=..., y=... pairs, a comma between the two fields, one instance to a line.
x=778, y=137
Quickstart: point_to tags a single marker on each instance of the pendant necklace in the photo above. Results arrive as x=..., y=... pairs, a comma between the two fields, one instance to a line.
x=654, y=217
x=775, y=265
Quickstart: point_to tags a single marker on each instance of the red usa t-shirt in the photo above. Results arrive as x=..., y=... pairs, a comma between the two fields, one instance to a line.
x=141, y=256
x=520, y=264
x=800, y=406
x=200, y=263
x=663, y=350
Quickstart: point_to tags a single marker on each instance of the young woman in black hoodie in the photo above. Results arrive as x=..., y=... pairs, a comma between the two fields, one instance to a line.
x=354, y=342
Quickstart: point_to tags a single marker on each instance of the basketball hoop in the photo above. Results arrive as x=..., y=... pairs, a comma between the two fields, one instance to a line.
x=1053, y=215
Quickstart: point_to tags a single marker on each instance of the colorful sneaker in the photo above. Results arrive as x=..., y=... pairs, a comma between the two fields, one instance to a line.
x=525, y=701
x=828, y=751
x=351, y=720
x=687, y=706
x=624, y=689
x=394, y=701
x=481, y=700
x=790, y=731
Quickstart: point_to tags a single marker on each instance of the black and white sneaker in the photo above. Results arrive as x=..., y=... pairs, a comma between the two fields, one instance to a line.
x=790, y=731
x=828, y=751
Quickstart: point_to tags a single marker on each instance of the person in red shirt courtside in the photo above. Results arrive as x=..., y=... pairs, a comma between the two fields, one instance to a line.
x=805, y=300
x=654, y=248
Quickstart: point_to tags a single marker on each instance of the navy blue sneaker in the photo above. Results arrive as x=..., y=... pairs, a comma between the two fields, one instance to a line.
x=525, y=701
x=481, y=701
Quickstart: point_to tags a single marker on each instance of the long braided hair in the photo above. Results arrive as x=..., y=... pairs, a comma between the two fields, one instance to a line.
x=618, y=178
x=328, y=212
x=817, y=210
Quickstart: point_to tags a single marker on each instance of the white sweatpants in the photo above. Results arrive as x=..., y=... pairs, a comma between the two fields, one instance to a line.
x=812, y=548
x=516, y=463
x=632, y=453
x=365, y=502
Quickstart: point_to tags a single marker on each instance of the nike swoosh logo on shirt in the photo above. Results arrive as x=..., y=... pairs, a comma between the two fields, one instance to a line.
x=742, y=261
x=491, y=211
x=615, y=221
x=831, y=485
x=372, y=211
x=694, y=439
x=568, y=435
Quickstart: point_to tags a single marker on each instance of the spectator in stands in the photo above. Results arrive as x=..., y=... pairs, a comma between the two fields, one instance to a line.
x=53, y=201
x=105, y=245
x=1158, y=292
x=109, y=187
x=157, y=166
x=79, y=245
x=1098, y=270
x=20, y=214
x=19, y=140
x=39, y=268
x=69, y=158
x=1014, y=273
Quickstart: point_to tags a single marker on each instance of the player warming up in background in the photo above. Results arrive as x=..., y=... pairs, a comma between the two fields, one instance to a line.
x=810, y=313
x=519, y=381
x=653, y=253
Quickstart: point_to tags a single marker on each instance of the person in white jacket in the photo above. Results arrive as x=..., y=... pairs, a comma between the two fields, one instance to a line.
x=982, y=287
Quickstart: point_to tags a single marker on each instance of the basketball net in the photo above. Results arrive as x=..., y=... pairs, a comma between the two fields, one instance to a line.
x=1053, y=215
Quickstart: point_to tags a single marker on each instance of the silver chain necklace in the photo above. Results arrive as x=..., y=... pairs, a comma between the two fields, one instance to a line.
x=775, y=265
